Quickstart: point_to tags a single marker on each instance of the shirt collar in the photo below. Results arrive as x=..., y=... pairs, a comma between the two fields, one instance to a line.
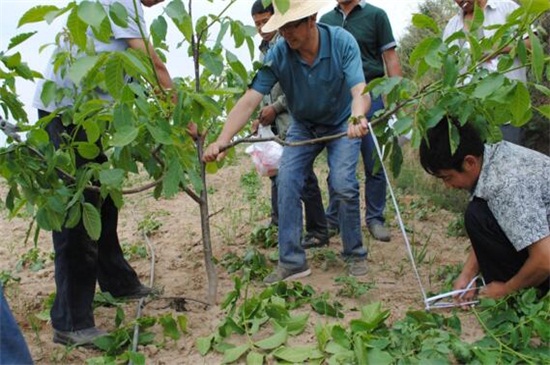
x=361, y=4
x=490, y=4
x=480, y=189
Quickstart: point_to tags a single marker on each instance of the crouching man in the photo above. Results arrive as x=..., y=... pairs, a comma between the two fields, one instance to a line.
x=508, y=217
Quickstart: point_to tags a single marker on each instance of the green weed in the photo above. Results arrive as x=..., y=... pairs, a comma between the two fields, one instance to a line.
x=33, y=260
x=133, y=251
x=456, y=227
x=350, y=287
x=7, y=278
x=151, y=222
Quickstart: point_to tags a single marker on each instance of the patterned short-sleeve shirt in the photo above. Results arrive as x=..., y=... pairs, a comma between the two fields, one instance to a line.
x=515, y=182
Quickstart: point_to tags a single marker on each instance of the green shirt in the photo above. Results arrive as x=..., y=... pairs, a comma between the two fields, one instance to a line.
x=371, y=28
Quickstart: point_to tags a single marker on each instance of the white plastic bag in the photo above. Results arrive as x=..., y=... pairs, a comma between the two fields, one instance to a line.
x=266, y=155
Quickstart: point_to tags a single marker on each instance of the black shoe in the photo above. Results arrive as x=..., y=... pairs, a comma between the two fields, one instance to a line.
x=141, y=291
x=314, y=241
x=83, y=337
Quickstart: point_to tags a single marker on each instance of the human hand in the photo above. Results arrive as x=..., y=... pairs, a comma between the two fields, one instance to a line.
x=255, y=126
x=494, y=290
x=358, y=127
x=149, y=3
x=461, y=283
x=267, y=115
x=213, y=153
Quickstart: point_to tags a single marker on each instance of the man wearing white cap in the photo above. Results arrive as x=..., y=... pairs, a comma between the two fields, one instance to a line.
x=319, y=69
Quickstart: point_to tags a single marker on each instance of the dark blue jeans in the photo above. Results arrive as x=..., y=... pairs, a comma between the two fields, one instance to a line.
x=375, y=182
x=296, y=164
x=316, y=222
x=79, y=261
x=13, y=348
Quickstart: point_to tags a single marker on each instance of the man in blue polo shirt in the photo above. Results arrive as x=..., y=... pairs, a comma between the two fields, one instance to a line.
x=319, y=70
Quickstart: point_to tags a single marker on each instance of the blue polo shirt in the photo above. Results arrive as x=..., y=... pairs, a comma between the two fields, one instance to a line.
x=317, y=94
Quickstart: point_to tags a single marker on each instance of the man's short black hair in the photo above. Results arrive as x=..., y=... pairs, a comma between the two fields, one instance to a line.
x=258, y=8
x=435, y=149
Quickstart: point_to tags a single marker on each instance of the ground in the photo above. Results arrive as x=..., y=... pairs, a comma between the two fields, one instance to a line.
x=175, y=236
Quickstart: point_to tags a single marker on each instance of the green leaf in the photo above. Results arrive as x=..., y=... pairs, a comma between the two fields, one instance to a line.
x=373, y=314
x=38, y=137
x=105, y=343
x=295, y=324
x=273, y=341
x=379, y=357
x=435, y=114
x=488, y=85
x=118, y=14
x=544, y=110
x=543, y=89
x=49, y=90
x=92, y=13
x=20, y=38
x=74, y=216
x=254, y=358
x=88, y=150
x=124, y=136
x=114, y=76
x=159, y=29
x=92, y=130
x=359, y=349
x=424, y=21
x=136, y=358
x=170, y=327
x=176, y=11
x=396, y=159
x=36, y=14
x=204, y=344
x=213, y=63
x=161, y=133
x=182, y=322
x=133, y=65
x=450, y=72
x=232, y=355
x=537, y=56
x=111, y=177
x=77, y=28
x=323, y=335
x=454, y=137
x=520, y=103
x=340, y=336
x=91, y=220
x=477, y=20
x=119, y=316
x=535, y=6
x=211, y=167
x=427, y=51
x=295, y=354
x=282, y=5
x=12, y=61
x=172, y=179
x=81, y=67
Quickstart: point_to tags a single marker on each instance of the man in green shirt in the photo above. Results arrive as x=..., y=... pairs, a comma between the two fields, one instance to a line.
x=372, y=30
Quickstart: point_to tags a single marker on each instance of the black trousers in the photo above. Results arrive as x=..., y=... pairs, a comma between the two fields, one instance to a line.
x=316, y=221
x=80, y=262
x=497, y=258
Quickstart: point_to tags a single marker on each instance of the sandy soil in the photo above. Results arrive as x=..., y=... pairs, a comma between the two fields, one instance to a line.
x=179, y=267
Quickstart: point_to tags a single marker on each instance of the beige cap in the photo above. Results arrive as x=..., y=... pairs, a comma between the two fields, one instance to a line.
x=297, y=10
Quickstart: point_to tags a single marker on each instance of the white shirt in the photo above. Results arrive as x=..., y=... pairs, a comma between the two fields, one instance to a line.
x=495, y=12
x=116, y=43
